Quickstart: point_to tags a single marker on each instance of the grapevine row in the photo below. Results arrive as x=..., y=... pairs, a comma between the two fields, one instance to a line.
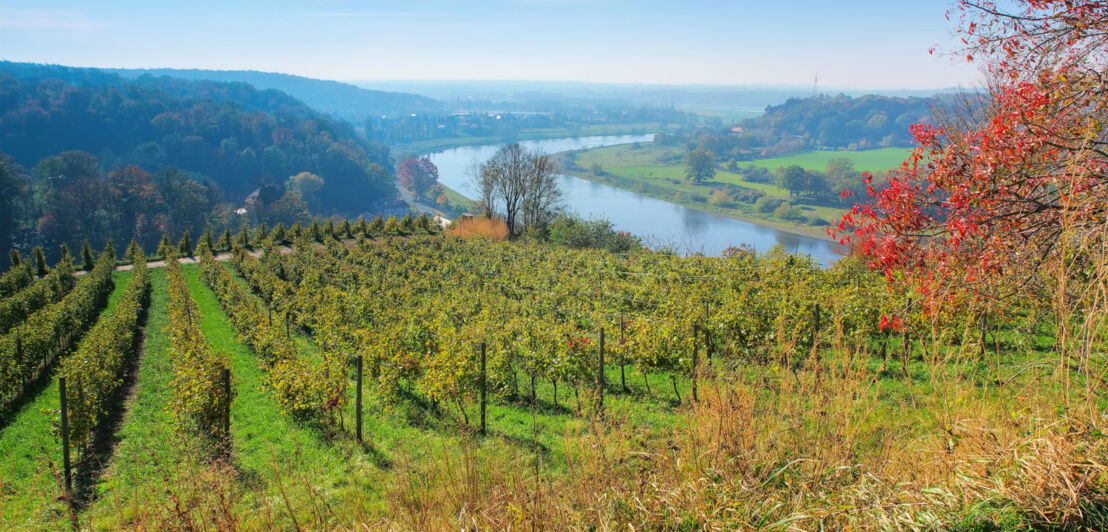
x=302, y=389
x=45, y=291
x=95, y=371
x=15, y=280
x=48, y=333
x=199, y=399
x=421, y=307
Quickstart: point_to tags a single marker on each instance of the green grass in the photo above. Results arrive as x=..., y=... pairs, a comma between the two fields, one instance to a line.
x=267, y=443
x=147, y=436
x=31, y=455
x=877, y=161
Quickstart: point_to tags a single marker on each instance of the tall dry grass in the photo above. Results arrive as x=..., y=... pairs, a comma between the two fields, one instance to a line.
x=492, y=228
x=766, y=449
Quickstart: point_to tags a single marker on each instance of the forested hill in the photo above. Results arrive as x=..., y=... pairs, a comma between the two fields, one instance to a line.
x=233, y=134
x=341, y=100
x=841, y=121
x=230, y=139
x=819, y=122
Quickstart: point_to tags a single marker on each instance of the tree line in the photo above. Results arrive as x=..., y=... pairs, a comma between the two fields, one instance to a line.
x=818, y=122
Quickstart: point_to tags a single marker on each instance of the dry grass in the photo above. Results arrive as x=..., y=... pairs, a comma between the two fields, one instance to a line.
x=493, y=228
x=770, y=450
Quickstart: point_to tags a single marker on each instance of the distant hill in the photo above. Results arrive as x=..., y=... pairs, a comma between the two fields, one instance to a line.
x=815, y=122
x=230, y=135
x=341, y=100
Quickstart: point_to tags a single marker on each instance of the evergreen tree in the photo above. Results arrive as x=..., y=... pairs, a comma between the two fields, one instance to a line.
x=184, y=246
x=207, y=240
x=259, y=237
x=360, y=227
x=279, y=235
x=224, y=243
x=314, y=232
x=86, y=256
x=65, y=253
x=344, y=229
x=406, y=223
x=392, y=225
x=295, y=231
x=40, y=261
x=242, y=239
x=164, y=246
x=133, y=251
x=109, y=248
x=376, y=226
x=16, y=259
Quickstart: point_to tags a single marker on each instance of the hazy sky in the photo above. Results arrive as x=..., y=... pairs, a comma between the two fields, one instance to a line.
x=849, y=43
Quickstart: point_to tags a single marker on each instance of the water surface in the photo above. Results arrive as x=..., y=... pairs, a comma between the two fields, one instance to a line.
x=658, y=222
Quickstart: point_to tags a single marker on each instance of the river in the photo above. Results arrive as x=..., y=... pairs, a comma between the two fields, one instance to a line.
x=657, y=222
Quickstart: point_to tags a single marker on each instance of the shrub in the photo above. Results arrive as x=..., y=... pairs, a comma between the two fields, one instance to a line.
x=721, y=198
x=574, y=232
x=767, y=205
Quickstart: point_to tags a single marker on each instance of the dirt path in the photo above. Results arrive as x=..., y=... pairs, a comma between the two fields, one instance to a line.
x=222, y=257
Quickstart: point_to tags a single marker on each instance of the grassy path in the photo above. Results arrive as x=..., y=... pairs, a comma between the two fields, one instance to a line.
x=30, y=454
x=284, y=463
x=147, y=437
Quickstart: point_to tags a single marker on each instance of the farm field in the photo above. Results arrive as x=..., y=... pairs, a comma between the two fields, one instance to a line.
x=876, y=161
x=764, y=381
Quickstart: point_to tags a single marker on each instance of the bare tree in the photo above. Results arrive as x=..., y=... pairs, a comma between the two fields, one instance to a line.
x=521, y=184
x=543, y=196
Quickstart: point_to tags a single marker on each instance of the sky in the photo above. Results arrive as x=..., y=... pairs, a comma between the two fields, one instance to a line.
x=847, y=43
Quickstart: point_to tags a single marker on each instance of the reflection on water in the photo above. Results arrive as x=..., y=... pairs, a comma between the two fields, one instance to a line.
x=659, y=223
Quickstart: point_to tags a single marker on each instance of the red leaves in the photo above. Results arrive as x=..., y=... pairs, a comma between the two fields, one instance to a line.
x=976, y=207
x=886, y=323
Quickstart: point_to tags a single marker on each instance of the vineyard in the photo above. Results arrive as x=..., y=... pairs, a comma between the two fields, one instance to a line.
x=389, y=377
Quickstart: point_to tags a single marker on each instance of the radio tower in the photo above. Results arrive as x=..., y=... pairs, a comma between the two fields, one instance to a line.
x=815, y=86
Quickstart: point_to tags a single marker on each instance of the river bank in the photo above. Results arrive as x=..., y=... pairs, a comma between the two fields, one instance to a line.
x=660, y=223
x=424, y=147
x=640, y=187
x=636, y=168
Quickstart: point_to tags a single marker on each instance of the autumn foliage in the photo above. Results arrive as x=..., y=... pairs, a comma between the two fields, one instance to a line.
x=1001, y=200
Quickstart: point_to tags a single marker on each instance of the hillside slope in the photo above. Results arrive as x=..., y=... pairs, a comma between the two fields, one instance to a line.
x=338, y=99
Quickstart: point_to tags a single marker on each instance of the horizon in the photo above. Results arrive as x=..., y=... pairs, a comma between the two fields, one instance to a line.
x=855, y=45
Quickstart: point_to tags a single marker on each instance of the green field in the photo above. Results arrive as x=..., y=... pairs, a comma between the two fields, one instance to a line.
x=876, y=161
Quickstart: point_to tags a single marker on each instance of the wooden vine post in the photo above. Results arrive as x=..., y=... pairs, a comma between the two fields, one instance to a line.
x=600, y=374
x=65, y=439
x=904, y=351
x=815, y=330
x=484, y=387
x=695, y=360
x=622, y=356
x=358, y=401
x=227, y=405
